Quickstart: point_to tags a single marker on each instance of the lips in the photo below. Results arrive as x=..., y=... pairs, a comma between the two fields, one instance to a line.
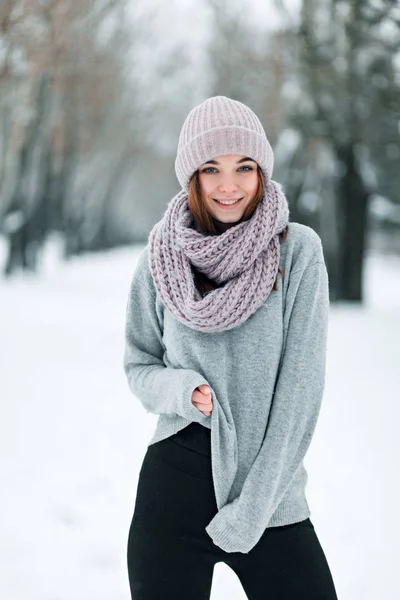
x=227, y=199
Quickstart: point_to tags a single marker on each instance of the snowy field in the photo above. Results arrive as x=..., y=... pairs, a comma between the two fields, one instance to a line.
x=72, y=437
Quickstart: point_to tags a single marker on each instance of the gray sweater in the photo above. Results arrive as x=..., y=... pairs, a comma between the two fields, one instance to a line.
x=267, y=378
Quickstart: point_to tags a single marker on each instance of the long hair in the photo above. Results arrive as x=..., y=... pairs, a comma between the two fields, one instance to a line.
x=205, y=223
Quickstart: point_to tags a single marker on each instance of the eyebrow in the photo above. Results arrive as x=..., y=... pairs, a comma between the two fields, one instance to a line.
x=215, y=162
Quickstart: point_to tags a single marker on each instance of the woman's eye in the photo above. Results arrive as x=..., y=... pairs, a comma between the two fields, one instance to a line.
x=207, y=169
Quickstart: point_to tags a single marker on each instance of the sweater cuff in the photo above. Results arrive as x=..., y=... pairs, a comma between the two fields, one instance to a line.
x=229, y=537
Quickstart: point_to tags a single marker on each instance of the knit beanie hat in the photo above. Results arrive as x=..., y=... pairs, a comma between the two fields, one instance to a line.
x=219, y=126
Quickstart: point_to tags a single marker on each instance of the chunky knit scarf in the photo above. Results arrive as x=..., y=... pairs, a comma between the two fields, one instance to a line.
x=245, y=258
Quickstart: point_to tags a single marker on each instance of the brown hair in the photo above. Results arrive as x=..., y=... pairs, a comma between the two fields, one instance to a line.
x=205, y=224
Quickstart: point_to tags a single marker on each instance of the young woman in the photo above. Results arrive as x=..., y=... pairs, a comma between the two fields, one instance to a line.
x=226, y=333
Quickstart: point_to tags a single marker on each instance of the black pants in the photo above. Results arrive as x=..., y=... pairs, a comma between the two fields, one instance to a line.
x=171, y=556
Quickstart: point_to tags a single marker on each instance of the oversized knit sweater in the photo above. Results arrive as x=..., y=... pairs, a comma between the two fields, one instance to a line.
x=267, y=379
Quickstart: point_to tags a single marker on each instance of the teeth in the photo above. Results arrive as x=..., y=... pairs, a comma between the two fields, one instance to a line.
x=228, y=201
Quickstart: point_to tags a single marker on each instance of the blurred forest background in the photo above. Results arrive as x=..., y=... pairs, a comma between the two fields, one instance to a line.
x=93, y=94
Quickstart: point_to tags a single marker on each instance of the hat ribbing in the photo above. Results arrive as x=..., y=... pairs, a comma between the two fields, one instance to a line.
x=219, y=126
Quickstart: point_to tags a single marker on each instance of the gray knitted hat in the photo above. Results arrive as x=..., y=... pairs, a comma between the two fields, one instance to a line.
x=219, y=126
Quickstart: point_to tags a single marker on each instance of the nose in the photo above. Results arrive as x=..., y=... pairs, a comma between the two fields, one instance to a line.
x=227, y=184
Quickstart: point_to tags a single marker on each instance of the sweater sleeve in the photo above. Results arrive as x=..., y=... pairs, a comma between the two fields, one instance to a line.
x=239, y=524
x=160, y=389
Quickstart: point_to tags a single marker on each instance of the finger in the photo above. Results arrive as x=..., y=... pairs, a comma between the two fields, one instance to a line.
x=207, y=413
x=202, y=398
x=202, y=406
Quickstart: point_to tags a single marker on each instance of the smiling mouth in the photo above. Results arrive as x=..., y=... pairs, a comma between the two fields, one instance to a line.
x=228, y=202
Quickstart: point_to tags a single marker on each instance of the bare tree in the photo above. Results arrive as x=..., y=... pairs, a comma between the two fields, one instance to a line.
x=350, y=103
x=74, y=129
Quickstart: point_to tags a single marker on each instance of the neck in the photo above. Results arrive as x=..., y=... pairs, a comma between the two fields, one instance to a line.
x=221, y=226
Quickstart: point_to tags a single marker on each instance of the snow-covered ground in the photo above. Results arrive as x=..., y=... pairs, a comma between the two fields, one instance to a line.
x=72, y=437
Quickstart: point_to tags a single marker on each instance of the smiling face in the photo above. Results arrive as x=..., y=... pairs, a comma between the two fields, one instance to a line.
x=230, y=177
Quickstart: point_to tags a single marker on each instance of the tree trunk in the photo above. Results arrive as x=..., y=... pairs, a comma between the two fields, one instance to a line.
x=23, y=242
x=352, y=222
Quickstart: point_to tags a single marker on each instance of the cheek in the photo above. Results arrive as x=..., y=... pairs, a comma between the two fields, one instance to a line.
x=251, y=183
x=206, y=185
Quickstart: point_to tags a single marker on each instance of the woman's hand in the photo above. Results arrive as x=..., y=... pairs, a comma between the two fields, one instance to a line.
x=201, y=399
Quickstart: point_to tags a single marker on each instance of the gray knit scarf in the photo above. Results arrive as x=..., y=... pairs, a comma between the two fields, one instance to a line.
x=245, y=256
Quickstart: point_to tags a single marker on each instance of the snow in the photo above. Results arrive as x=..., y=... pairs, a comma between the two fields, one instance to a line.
x=72, y=436
x=383, y=209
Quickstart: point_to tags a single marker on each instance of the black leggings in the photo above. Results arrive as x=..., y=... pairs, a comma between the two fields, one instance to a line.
x=171, y=556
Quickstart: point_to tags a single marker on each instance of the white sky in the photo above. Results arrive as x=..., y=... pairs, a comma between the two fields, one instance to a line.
x=187, y=19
